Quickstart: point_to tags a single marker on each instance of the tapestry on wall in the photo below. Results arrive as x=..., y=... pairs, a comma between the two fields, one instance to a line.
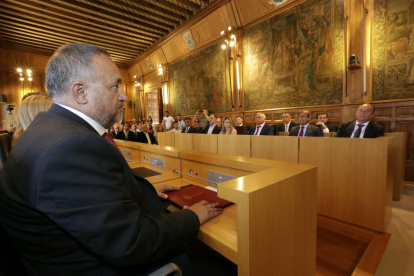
x=296, y=57
x=393, y=50
x=137, y=103
x=200, y=81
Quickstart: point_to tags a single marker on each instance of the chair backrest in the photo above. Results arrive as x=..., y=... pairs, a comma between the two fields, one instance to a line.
x=242, y=130
x=5, y=146
x=198, y=129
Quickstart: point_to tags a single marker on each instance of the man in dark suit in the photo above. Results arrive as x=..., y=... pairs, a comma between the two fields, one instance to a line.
x=362, y=127
x=129, y=135
x=239, y=120
x=146, y=137
x=322, y=123
x=213, y=127
x=188, y=127
x=304, y=128
x=287, y=123
x=78, y=208
x=261, y=128
x=120, y=135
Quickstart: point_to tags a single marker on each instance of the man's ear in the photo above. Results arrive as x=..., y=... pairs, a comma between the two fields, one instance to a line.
x=78, y=93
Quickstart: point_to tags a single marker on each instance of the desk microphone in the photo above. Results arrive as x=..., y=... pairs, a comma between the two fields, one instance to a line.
x=212, y=182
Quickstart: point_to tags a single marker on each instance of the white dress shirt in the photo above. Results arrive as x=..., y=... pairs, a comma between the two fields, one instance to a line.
x=210, y=129
x=100, y=129
x=175, y=130
x=287, y=127
x=260, y=129
x=364, y=127
x=148, y=138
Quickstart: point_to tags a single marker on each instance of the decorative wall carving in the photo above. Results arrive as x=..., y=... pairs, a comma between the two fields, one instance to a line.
x=405, y=111
x=383, y=112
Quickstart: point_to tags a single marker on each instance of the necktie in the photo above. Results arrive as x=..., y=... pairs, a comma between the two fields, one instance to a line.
x=110, y=140
x=301, y=131
x=257, y=130
x=186, y=129
x=286, y=128
x=358, y=131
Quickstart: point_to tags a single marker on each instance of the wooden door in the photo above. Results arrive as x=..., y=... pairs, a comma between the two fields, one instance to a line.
x=152, y=106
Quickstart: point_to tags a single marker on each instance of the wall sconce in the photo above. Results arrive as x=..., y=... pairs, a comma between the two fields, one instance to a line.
x=22, y=78
x=160, y=69
x=229, y=43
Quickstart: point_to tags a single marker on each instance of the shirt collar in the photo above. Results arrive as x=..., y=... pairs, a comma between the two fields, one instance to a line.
x=213, y=125
x=100, y=129
x=260, y=125
x=305, y=126
x=364, y=124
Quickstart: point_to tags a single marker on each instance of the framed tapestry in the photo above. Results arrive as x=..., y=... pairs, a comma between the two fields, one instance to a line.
x=295, y=58
x=200, y=81
x=393, y=50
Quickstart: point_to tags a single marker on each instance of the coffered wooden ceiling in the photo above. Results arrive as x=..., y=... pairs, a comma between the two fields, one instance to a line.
x=125, y=28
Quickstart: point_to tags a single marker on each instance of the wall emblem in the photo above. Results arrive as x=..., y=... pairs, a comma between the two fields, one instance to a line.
x=277, y=3
x=189, y=40
x=149, y=63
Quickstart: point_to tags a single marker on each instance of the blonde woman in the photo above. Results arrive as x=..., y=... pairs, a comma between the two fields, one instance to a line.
x=160, y=128
x=28, y=110
x=228, y=127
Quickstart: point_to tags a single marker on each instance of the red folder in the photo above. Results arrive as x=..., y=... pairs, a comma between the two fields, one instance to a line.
x=190, y=195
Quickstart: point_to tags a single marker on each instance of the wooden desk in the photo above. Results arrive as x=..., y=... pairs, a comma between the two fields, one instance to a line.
x=399, y=168
x=156, y=179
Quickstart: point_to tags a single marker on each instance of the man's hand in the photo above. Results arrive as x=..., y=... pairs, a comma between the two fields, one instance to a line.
x=162, y=188
x=205, y=210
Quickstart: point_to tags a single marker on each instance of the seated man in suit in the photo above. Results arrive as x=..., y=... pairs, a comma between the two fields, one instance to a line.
x=129, y=135
x=304, y=128
x=287, y=123
x=322, y=123
x=69, y=201
x=213, y=127
x=146, y=137
x=261, y=128
x=239, y=121
x=362, y=127
x=188, y=128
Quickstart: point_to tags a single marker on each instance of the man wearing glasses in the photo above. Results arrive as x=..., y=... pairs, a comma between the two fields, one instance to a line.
x=304, y=129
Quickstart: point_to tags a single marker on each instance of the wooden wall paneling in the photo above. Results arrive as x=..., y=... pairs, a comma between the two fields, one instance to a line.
x=399, y=163
x=205, y=142
x=152, y=80
x=174, y=49
x=354, y=178
x=184, y=141
x=166, y=139
x=408, y=127
x=209, y=29
x=234, y=145
x=279, y=148
x=144, y=66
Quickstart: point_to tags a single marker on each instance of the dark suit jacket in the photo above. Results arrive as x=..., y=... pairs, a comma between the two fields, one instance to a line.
x=143, y=139
x=267, y=130
x=216, y=129
x=120, y=135
x=281, y=128
x=78, y=208
x=191, y=130
x=131, y=136
x=373, y=130
x=310, y=131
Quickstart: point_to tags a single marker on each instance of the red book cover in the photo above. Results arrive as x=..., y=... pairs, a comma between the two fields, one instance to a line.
x=190, y=195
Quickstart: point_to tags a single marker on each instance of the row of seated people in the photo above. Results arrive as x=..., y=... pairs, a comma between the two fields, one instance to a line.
x=362, y=127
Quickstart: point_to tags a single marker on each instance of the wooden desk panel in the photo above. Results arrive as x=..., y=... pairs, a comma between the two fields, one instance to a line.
x=184, y=141
x=170, y=163
x=163, y=150
x=219, y=233
x=352, y=187
x=399, y=169
x=166, y=139
x=275, y=148
x=234, y=144
x=205, y=142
